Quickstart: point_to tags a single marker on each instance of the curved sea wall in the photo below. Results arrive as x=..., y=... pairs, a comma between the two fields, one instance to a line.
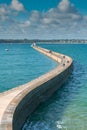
x=18, y=103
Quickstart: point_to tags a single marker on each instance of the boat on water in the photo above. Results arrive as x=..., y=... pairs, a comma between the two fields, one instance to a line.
x=6, y=49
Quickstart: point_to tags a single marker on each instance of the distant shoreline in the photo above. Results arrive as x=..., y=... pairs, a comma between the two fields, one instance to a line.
x=59, y=41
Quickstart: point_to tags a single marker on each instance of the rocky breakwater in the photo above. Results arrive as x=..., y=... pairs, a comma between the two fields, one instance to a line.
x=18, y=103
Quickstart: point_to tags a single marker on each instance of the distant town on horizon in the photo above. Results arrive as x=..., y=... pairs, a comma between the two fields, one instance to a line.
x=62, y=41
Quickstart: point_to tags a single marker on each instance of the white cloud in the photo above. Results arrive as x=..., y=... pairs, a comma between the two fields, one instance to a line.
x=10, y=11
x=47, y=20
x=25, y=24
x=64, y=21
x=16, y=5
x=66, y=7
x=4, y=12
x=4, y=9
x=35, y=16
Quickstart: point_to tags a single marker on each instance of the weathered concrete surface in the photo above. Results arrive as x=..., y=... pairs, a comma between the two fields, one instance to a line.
x=16, y=104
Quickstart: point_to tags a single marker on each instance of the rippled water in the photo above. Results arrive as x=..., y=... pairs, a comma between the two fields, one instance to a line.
x=20, y=64
x=67, y=108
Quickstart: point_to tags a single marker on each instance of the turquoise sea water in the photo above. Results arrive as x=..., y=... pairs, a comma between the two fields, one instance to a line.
x=20, y=64
x=67, y=108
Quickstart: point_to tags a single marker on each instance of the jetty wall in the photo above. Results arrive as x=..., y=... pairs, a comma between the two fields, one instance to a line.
x=26, y=98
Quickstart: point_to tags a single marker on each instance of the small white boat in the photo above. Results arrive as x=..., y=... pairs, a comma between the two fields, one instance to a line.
x=6, y=49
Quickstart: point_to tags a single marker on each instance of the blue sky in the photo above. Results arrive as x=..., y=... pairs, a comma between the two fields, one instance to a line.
x=43, y=19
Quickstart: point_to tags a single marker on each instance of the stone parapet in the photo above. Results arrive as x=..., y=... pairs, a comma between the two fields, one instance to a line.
x=18, y=103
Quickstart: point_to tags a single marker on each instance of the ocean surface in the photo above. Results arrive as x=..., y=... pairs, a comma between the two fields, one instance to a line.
x=20, y=63
x=67, y=108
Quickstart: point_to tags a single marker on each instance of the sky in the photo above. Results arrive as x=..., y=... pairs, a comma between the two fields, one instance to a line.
x=43, y=19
